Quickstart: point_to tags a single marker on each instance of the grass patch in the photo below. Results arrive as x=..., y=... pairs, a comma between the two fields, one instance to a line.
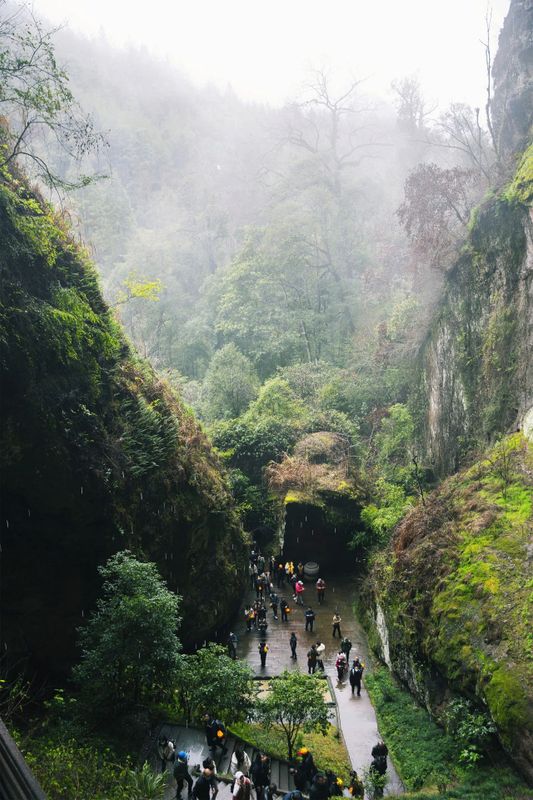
x=427, y=758
x=328, y=751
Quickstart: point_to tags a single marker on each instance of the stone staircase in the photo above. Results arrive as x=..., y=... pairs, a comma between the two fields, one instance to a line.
x=192, y=740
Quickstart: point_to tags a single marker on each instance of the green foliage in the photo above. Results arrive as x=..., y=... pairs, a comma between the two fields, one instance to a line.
x=417, y=745
x=210, y=682
x=143, y=784
x=455, y=591
x=427, y=757
x=374, y=783
x=329, y=751
x=250, y=444
x=276, y=401
x=70, y=769
x=135, y=288
x=393, y=445
x=296, y=703
x=521, y=187
x=230, y=384
x=471, y=728
x=129, y=644
x=381, y=517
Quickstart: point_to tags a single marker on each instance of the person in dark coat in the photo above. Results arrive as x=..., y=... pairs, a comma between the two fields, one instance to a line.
x=215, y=733
x=319, y=787
x=379, y=754
x=346, y=646
x=356, y=676
x=263, y=651
x=308, y=764
x=284, y=610
x=293, y=641
x=309, y=619
x=181, y=774
x=312, y=658
x=232, y=645
x=260, y=774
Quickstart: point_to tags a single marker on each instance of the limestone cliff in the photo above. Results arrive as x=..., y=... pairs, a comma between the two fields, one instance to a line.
x=476, y=377
x=450, y=606
x=476, y=370
x=97, y=454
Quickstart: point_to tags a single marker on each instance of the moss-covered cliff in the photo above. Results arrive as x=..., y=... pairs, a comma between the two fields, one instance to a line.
x=476, y=370
x=451, y=601
x=97, y=454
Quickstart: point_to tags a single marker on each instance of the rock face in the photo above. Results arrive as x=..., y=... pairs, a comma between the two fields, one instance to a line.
x=449, y=605
x=512, y=106
x=476, y=366
x=97, y=454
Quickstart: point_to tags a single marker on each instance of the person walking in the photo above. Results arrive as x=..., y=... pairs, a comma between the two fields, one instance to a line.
x=299, y=590
x=263, y=651
x=274, y=602
x=181, y=774
x=249, y=616
x=232, y=645
x=346, y=646
x=311, y=660
x=340, y=664
x=206, y=786
x=309, y=619
x=336, y=622
x=240, y=761
x=260, y=774
x=320, y=650
x=242, y=787
x=379, y=754
x=320, y=590
x=356, y=676
x=215, y=734
x=319, y=787
x=293, y=642
x=284, y=610
x=166, y=751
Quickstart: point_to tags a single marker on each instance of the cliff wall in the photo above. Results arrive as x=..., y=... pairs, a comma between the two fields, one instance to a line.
x=97, y=454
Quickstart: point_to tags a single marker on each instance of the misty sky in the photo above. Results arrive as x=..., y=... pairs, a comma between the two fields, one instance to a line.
x=264, y=50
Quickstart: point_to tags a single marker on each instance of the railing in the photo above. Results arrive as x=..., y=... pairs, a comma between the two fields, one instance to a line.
x=16, y=779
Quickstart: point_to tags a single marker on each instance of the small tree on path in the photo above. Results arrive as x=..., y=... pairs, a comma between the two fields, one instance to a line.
x=295, y=703
x=211, y=682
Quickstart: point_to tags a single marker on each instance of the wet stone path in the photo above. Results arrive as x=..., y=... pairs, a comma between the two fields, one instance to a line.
x=356, y=714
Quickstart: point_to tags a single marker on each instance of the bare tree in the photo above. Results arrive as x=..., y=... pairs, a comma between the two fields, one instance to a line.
x=36, y=101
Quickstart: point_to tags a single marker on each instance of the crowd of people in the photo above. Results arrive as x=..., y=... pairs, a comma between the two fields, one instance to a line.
x=272, y=579
x=267, y=578
x=255, y=775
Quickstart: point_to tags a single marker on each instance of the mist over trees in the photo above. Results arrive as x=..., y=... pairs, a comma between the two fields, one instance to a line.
x=278, y=265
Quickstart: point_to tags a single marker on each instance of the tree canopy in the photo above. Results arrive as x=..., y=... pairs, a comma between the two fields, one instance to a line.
x=129, y=644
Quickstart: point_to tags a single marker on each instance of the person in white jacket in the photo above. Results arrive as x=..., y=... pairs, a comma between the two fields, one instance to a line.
x=320, y=650
x=240, y=762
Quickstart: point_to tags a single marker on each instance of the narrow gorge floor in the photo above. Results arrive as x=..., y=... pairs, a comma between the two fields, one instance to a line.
x=356, y=714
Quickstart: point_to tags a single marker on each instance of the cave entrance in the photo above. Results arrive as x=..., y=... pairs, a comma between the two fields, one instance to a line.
x=321, y=533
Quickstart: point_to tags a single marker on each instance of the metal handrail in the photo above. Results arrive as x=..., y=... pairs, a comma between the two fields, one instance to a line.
x=16, y=779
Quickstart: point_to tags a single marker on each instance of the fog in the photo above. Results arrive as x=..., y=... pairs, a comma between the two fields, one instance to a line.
x=265, y=50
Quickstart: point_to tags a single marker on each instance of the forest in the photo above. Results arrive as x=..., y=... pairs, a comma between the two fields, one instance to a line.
x=228, y=326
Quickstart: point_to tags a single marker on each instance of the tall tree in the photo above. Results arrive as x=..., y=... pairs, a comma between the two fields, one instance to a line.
x=129, y=644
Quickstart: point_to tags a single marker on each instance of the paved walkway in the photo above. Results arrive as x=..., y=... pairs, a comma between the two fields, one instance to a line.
x=356, y=714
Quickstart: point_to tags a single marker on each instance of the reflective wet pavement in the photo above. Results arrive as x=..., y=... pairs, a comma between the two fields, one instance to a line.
x=356, y=714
